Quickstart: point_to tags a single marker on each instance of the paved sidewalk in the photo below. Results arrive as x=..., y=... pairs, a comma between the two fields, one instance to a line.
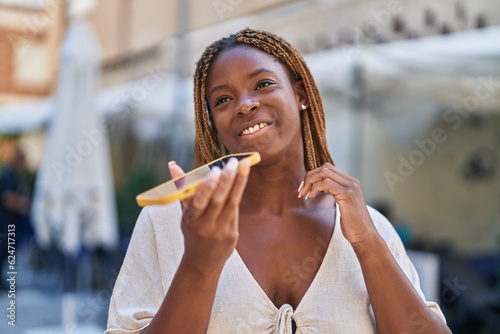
x=40, y=312
x=41, y=307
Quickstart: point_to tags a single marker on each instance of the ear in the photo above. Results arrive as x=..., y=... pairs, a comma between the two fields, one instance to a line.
x=300, y=94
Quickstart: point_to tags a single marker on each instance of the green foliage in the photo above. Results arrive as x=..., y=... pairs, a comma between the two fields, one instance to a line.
x=137, y=181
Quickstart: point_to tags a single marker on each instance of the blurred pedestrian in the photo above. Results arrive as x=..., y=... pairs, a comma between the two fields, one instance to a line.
x=14, y=203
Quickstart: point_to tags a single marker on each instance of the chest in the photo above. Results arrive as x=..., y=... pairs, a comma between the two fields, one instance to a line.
x=284, y=253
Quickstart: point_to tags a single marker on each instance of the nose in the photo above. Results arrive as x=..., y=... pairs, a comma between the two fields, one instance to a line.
x=247, y=105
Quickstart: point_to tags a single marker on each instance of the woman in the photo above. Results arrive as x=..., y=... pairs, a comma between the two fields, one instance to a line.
x=288, y=247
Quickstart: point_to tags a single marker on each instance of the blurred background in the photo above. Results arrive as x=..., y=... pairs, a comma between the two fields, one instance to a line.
x=96, y=98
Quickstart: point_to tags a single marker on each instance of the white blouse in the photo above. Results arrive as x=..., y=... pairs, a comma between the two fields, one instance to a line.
x=336, y=301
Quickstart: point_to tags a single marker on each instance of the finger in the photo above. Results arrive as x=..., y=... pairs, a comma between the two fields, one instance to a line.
x=351, y=193
x=223, y=188
x=310, y=178
x=327, y=186
x=199, y=203
x=341, y=172
x=327, y=171
x=175, y=172
x=234, y=198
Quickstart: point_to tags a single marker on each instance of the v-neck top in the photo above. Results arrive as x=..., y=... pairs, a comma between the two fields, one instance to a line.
x=335, y=302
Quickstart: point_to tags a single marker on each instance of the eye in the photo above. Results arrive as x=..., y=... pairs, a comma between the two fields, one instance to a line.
x=264, y=84
x=221, y=100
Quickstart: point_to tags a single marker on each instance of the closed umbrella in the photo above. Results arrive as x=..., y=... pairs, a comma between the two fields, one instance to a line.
x=73, y=205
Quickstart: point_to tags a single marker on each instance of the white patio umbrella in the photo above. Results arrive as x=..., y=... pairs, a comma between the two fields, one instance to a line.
x=73, y=203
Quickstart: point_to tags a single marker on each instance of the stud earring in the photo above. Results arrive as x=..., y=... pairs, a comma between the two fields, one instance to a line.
x=303, y=106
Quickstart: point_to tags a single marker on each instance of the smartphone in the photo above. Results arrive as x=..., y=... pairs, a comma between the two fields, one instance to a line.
x=186, y=185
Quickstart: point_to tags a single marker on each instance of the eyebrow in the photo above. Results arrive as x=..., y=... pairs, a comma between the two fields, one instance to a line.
x=250, y=76
x=259, y=71
x=219, y=87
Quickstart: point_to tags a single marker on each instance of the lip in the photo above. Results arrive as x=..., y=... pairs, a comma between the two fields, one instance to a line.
x=257, y=133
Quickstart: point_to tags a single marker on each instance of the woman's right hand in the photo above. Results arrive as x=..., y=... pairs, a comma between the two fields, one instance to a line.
x=210, y=216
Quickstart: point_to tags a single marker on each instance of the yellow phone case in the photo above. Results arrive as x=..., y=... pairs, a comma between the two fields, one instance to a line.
x=153, y=196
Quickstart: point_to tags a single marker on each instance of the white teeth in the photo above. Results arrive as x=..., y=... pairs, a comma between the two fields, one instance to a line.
x=254, y=128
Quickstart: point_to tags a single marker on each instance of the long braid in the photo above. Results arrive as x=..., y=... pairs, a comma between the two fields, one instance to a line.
x=204, y=152
x=207, y=144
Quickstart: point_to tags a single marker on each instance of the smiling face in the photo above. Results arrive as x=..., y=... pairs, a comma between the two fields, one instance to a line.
x=254, y=104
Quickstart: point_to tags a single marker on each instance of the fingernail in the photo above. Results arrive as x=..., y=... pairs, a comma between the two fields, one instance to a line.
x=245, y=167
x=232, y=164
x=307, y=196
x=171, y=163
x=301, y=185
x=216, y=171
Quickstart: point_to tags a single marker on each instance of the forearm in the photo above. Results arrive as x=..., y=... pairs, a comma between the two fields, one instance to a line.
x=188, y=303
x=396, y=304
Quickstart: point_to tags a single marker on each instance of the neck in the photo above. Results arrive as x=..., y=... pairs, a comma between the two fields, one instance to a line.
x=274, y=188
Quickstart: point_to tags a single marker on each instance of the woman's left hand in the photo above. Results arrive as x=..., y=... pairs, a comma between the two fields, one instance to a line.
x=357, y=225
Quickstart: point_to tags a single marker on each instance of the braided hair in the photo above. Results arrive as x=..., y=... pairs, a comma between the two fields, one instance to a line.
x=207, y=145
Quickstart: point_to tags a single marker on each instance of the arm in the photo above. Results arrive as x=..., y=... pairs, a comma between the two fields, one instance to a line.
x=397, y=306
x=210, y=228
x=186, y=265
x=386, y=284
x=188, y=303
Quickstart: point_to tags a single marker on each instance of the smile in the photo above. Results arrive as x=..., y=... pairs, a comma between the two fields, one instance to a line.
x=254, y=129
